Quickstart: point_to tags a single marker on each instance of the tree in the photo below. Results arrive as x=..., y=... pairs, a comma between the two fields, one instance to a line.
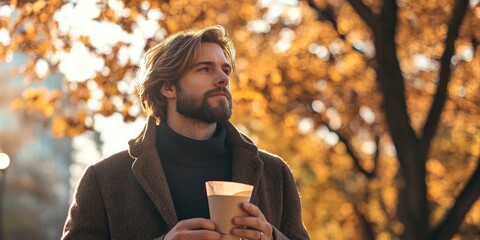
x=372, y=103
x=414, y=145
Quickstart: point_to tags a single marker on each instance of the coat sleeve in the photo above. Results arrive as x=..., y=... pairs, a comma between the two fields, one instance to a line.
x=291, y=222
x=87, y=218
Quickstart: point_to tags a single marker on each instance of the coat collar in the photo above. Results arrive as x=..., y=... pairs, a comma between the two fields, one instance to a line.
x=147, y=168
x=246, y=166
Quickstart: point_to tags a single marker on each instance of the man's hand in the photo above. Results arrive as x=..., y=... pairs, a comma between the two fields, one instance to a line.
x=194, y=228
x=256, y=225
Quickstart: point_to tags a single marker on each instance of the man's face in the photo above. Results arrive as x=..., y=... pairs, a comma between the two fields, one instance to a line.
x=203, y=91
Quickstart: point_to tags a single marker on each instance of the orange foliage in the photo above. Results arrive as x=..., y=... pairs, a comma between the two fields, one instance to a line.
x=276, y=89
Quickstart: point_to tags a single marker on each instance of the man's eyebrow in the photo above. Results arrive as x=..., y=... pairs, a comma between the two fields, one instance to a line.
x=210, y=63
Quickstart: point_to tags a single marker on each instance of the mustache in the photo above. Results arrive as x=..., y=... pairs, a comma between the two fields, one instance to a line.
x=219, y=89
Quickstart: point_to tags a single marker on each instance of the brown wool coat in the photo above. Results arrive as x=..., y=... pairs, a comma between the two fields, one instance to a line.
x=126, y=196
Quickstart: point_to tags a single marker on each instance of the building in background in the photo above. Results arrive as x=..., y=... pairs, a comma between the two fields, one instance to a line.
x=44, y=170
x=37, y=191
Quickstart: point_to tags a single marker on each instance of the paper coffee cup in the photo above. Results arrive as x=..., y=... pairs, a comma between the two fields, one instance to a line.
x=224, y=203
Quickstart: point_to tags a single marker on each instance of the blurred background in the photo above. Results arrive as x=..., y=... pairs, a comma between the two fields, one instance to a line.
x=373, y=105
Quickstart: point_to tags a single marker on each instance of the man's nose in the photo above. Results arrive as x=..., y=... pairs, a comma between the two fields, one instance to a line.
x=222, y=79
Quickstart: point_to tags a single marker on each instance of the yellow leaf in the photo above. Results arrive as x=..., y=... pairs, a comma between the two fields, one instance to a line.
x=59, y=126
x=38, y=6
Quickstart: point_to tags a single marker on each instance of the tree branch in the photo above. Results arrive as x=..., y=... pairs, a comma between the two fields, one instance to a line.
x=475, y=43
x=470, y=193
x=376, y=155
x=367, y=15
x=440, y=97
x=328, y=14
x=366, y=225
x=388, y=17
x=325, y=14
x=389, y=75
x=355, y=158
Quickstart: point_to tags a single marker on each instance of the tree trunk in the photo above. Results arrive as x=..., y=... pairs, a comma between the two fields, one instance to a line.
x=412, y=201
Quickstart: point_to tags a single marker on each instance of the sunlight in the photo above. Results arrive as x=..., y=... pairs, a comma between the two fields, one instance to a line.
x=260, y=26
x=79, y=64
x=78, y=20
x=5, y=11
x=330, y=138
x=41, y=68
x=423, y=63
x=4, y=161
x=305, y=125
x=368, y=147
x=318, y=106
x=367, y=114
x=75, y=19
x=115, y=134
x=286, y=37
x=4, y=36
x=319, y=50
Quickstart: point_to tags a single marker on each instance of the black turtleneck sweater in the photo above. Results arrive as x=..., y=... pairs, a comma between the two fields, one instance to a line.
x=189, y=163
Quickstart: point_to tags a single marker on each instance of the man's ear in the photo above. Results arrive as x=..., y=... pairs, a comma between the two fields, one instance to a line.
x=168, y=90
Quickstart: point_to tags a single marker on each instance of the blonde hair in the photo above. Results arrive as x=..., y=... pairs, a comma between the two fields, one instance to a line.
x=169, y=59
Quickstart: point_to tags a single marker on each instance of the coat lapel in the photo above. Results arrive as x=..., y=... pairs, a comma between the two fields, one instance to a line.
x=246, y=169
x=149, y=172
x=246, y=166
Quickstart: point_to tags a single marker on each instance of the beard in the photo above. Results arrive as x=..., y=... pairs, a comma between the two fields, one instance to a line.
x=200, y=109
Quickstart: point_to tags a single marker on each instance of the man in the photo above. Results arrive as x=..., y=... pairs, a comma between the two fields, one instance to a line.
x=156, y=189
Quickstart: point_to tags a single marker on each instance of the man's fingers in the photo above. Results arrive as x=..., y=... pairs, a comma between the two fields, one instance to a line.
x=253, y=210
x=198, y=234
x=252, y=222
x=196, y=223
x=254, y=226
x=246, y=233
x=194, y=228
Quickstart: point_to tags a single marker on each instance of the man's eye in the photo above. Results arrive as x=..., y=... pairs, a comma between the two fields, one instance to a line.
x=204, y=69
x=227, y=71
